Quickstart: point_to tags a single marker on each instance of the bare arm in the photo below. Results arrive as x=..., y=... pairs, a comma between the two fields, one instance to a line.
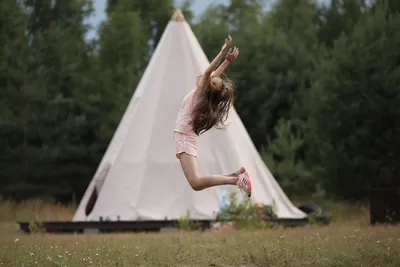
x=207, y=73
x=229, y=57
x=221, y=68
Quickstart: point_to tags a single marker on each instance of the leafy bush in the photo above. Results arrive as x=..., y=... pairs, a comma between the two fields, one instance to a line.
x=246, y=214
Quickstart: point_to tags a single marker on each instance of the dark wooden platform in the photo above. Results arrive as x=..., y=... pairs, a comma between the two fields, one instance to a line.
x=140, y=226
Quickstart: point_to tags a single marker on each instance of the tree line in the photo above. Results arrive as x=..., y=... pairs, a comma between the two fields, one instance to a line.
x=317, y=87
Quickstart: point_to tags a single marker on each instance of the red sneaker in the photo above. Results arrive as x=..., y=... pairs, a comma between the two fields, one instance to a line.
x=244, y=183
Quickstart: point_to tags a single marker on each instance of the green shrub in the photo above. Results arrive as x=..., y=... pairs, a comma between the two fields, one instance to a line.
x=247, y=214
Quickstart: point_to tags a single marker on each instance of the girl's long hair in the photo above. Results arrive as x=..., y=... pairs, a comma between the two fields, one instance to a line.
x=212, y=108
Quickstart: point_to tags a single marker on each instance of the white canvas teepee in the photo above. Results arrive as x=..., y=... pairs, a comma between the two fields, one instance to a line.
x=139, y=177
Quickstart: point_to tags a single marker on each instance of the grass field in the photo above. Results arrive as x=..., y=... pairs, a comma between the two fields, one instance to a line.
x=348, y=241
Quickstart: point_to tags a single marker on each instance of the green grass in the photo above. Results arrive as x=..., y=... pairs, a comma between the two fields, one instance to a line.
x=348, y=241
x=322, y=246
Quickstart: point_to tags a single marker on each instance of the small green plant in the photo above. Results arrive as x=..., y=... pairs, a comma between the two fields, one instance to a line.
x=184, y=222
x=312, y=219
x=247, y=214
x=36, y=227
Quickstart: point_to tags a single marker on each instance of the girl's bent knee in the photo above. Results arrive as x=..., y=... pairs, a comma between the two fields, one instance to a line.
x=195, y=184
x=197, y=188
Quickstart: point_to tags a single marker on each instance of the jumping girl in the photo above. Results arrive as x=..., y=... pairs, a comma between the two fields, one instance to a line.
x=203, y=108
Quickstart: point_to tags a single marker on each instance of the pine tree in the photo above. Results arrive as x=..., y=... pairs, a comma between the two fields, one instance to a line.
x=56, y=138
x=356, y=104
x=15, y=73
x=281, y=157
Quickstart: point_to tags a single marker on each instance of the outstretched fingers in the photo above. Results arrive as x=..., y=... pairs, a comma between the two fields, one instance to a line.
x=227, y=43
x=233, y=54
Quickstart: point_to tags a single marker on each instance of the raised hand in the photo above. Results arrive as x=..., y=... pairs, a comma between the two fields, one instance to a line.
x=232, y=55
x=227, y=43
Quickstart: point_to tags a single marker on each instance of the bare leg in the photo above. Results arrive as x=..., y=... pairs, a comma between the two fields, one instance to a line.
x=197, y=182
x=236, y=174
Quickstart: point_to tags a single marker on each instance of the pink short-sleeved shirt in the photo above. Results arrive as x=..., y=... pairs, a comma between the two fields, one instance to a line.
x=183, y=119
